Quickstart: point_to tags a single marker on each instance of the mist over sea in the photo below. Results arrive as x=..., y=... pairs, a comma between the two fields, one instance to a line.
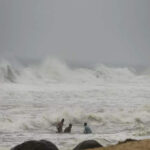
x=113, y=100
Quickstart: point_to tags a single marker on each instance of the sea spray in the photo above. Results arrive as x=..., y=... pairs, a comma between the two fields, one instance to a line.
x=55, y=71
x=114, y=101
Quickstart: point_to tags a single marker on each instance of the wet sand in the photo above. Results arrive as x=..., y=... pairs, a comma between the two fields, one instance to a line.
x=136, y=145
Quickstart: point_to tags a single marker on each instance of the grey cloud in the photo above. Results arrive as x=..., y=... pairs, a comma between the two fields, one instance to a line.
x=87, y=31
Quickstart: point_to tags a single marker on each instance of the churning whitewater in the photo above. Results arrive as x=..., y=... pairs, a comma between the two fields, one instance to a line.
x=114, y=101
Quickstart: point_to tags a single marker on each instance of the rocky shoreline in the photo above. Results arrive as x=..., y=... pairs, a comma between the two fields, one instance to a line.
x=129, y=144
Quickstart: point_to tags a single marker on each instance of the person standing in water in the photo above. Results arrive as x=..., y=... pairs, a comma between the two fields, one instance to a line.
x=60, y=126
x=68, y=129
x=87, y=129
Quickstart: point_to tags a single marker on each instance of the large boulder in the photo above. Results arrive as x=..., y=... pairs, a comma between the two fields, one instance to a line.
x=126, y=141
x=36, y=145
x=87, y=144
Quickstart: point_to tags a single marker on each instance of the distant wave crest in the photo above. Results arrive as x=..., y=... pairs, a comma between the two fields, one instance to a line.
x=53, y=71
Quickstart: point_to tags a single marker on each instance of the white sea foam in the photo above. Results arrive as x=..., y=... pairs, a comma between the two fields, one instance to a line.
x=55, y=71
x=114, y=102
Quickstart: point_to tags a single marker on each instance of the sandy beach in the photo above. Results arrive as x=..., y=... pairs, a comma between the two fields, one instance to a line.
x=136, y=145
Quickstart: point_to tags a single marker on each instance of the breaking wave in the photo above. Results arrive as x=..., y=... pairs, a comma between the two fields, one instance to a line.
x=7, y=73
x=54, y=71
x=136, y=120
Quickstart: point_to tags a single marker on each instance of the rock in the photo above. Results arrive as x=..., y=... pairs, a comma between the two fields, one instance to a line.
x=87, y=144
x=127, y=140
x=36, y=145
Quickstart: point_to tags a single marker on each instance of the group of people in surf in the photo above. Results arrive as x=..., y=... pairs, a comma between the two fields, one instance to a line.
x=60, y=124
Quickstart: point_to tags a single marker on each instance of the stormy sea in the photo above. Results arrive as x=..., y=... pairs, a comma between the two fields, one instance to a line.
x=114, y=101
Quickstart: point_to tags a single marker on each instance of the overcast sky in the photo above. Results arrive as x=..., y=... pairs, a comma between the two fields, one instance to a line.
x=81, y=31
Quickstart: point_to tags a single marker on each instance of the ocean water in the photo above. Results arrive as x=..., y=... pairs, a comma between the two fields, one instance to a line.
x=115, y=102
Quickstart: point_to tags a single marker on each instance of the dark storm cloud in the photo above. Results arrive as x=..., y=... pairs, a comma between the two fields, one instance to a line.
x=85, y=31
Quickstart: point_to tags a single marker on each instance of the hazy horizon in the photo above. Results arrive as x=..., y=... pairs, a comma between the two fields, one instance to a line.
x=83, y=33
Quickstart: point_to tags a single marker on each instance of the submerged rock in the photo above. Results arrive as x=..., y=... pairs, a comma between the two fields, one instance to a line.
x=88, y=144
x=36, y=145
